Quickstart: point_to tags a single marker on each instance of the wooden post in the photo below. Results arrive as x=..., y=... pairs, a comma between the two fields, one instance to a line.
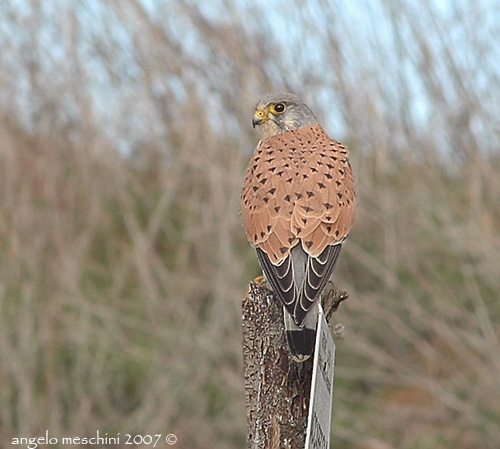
x=277, y=389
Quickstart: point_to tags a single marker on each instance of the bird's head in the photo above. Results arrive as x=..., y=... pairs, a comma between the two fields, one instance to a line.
x=277, y=113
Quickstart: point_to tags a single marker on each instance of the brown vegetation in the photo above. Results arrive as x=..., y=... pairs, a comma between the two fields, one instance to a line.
x=124, y=135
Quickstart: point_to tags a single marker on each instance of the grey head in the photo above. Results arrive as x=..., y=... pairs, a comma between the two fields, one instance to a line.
x=277, y=113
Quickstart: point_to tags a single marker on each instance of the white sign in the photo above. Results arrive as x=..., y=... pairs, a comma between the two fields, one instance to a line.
x=320, y=404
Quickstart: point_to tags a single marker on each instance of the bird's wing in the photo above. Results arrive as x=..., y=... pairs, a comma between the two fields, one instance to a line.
x=298, y=189
x=267, y=200
x=323, y=212
x=298, y=299
x=318, y=272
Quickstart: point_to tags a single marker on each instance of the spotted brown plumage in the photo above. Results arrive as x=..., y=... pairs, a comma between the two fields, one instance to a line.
x=297, y=206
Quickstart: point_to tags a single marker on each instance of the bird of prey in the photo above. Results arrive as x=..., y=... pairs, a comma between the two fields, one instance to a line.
x=297, y=207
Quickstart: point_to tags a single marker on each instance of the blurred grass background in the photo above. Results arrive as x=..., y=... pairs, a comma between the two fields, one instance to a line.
x=124, y=136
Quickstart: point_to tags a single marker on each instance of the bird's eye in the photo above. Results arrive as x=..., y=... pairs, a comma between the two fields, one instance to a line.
x=279, y=108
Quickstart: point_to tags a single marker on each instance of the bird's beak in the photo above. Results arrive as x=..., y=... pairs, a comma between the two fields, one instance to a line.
x=259, y=117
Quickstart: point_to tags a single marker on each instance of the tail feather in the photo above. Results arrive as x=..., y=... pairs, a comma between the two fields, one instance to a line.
x=301, y=339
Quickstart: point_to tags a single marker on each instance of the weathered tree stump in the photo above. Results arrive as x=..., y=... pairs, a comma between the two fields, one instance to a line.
x=277, y=389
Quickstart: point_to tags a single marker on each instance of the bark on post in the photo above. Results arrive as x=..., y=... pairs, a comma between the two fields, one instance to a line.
x=277, y=389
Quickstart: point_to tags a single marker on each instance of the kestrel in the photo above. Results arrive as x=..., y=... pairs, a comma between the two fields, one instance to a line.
x=297, y=206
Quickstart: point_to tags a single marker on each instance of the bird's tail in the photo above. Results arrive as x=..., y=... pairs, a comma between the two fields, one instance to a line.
x=301, y=339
